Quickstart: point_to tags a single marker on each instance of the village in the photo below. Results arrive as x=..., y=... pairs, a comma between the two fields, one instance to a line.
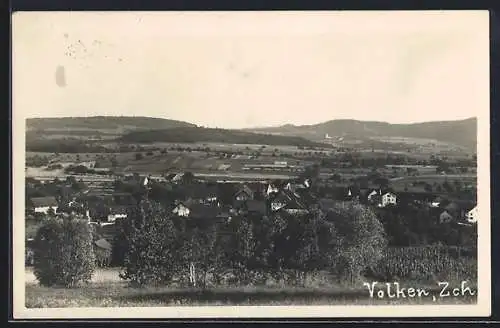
x=104, y=199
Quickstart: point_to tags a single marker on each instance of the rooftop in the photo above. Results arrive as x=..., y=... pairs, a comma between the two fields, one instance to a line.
x=44, y=201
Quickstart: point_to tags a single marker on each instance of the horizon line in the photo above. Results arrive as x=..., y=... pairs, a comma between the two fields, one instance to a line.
x=251, y=127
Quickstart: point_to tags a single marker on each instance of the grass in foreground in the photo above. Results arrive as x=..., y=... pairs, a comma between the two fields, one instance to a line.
x=118, y=294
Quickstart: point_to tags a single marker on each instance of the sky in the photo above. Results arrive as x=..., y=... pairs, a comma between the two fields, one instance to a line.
x=249, y=69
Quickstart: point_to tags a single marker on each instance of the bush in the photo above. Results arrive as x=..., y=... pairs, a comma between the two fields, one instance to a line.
x=139, y=156
x=63, y=252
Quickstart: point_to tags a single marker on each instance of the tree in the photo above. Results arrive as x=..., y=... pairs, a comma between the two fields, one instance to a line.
x=357, y=240
x=152, y=244
x=63, y=252
x=139, y=156
x=199, y=254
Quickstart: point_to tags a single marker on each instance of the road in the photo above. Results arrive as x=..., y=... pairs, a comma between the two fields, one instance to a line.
x=436, y=176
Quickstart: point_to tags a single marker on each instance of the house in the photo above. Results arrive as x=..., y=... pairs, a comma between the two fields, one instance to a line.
x=271, y=189
x=202, y=193
x=295, y=206
x=117, y=212
x=88, y=165
x=181, y=210
x=244, y=193
x=456, y=210
x=381, y=198
x=388, y=198
x=145, y=181
x=472, y=215
x=44, y=204
x=289, y=202
x=279, y=201
x=174, y=177
x=445, y=217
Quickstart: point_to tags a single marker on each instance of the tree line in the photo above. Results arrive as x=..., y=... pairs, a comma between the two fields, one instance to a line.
x=153, y=247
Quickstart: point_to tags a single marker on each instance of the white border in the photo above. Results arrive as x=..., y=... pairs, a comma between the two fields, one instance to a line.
x=482, y=308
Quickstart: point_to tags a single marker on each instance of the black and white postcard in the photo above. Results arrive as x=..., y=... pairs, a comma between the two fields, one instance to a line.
x=251, y=164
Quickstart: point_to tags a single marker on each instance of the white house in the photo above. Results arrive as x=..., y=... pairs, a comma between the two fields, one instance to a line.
x=271, y=189
x=388, y=199
x=181, y=210
x=471, y=216
x=177, y=178
x=113, y=217
x=44, y=204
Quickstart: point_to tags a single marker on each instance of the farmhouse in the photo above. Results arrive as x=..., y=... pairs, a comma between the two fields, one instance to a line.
x=288, y=201
x=472, y=215
x=181, y=210
x=271, y=189
x=117, y=212
x=44, y=204
x=388, y=198
x=297, y=184
x=244, y=193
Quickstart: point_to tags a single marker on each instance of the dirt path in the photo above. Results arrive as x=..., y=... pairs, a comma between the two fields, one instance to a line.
x=101, y=275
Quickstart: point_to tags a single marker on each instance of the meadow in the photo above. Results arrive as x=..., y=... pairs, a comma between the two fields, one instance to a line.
x=107, y=290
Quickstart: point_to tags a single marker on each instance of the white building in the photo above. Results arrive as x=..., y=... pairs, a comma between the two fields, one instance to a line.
x=471, y=216
x=44, y=204
x=271, y=189
x=181, y=210
x=388, y=199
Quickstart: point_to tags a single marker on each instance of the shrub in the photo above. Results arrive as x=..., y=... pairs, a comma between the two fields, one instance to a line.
x=63, y=252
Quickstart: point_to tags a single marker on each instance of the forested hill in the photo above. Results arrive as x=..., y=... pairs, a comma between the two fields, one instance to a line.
x=198, y=134
x=461, y=132
x=101, y=124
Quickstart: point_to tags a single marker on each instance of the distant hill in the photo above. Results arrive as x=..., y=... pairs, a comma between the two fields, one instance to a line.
x=198, y=134
x=115, y=125
x=461, y=133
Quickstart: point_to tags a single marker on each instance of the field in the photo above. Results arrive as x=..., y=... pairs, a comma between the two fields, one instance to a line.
x=108, y=291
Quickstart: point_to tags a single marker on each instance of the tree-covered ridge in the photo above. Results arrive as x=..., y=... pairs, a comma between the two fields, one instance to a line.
x=198, y=134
